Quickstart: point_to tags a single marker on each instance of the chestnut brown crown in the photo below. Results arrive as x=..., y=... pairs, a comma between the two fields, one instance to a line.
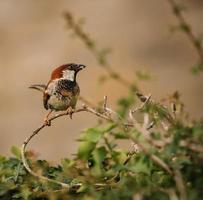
x=71, y=67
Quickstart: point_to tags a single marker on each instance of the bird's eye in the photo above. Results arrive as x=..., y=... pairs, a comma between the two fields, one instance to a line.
x=71, y=67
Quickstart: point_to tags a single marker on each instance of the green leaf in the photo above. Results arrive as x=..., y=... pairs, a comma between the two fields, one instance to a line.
x=125, y=103
x=99, y=154
x=109, y=127
x=120, y=135
x=140, y=166
x=67, y=163
x=85, y=149
x=11, y=163
x=2, y=159
x=5, y=187
x=91, y=135
x=16, y=151
x=26, y=193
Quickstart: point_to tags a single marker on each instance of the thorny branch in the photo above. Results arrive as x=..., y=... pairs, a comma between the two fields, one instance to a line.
x=35, y=132
x=100, y=54
x=185, y=26
x=101, y=115
x=180, y=184
x=106, y=115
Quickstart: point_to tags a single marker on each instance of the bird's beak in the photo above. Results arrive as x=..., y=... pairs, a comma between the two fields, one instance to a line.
x=80, y=67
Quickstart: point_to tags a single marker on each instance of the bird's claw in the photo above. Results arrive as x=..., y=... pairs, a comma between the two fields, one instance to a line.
x=70, y=112
x=47, y=122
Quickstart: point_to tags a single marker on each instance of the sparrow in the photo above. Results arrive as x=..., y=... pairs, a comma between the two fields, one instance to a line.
x=62, y=90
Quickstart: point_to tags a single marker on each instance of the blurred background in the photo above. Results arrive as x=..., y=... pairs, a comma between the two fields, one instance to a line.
x=34, y=39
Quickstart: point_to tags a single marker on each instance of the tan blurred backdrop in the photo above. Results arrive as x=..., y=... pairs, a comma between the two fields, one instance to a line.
x=34, y=40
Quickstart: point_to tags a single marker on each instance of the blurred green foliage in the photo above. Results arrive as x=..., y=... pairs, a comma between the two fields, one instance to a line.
x=106, y=171
x=101, y=169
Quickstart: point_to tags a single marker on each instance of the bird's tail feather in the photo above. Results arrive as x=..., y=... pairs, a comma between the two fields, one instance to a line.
x=39, y=87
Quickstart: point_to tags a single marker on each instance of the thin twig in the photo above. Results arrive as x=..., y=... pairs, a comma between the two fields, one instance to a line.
x=180, y=184
x=98, y=114
x=98, y=53
x=144, y=129
x=151, y=125
x=105, y=103
x=146, y=134
x=147, y=99
x=192, y=146
x=154, y=158
x=109, y=111
x=26, y=165
x=144, y=102
x=25, y=143
x=187, y=29
x=87, y=101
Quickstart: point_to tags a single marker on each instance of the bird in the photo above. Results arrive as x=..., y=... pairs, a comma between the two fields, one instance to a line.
x=62, y=90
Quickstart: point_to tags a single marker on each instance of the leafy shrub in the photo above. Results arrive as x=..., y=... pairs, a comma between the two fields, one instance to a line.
x=164, y=160
x=102, y=170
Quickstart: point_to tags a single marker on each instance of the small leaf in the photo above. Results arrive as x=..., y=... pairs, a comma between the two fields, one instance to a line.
x=99, y=154
x=67, y=163
x=140, y=167
x=5, y=187
x=120, y=135
x=125, y=103
x=109, y=127
x=85, y=149
x=91, y=135
x=2, y=159
x=16, y=151
x=26, y=193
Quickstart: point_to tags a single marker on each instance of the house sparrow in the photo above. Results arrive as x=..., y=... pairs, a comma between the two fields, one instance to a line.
x=62, y=91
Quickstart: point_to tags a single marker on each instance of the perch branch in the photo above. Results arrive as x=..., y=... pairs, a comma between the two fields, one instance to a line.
x=180, y=184
x=84, y=108
x=35, y=132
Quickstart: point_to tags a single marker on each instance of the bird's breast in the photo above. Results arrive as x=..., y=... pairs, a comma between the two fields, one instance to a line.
x=57, y=102
x=62, y=94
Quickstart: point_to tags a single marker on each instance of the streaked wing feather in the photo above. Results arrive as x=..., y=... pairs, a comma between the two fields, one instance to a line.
x=39, y=87
x=46, y=97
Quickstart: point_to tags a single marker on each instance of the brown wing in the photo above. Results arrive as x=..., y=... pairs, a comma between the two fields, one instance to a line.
x=66, y=93
x=40, y=87
x=46, y=94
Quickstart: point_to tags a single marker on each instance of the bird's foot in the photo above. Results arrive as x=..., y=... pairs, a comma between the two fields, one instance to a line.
x=70, y=112
x=47, y=122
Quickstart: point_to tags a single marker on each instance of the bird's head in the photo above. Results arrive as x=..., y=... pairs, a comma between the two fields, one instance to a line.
x=67, y=71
